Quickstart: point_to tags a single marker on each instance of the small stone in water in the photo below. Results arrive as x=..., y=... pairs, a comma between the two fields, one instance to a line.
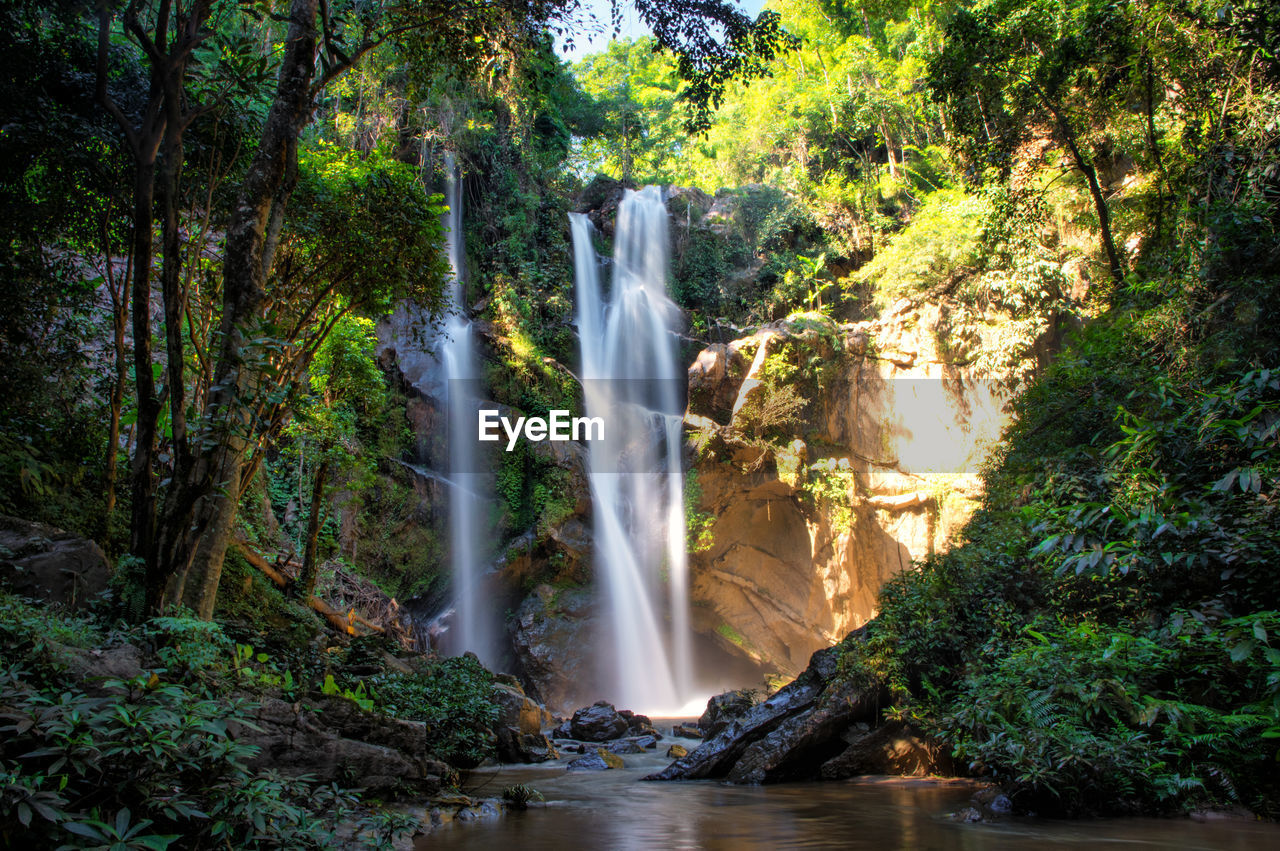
x=601, y=760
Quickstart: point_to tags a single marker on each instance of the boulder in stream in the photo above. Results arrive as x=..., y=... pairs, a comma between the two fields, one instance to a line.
x=601, y=760
x=601, y=722
x=892, y=748
x=785, y=714
x=723, y=708
x=518, y=729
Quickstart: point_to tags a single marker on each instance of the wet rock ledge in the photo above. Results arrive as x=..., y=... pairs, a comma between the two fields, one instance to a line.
x=819, y=726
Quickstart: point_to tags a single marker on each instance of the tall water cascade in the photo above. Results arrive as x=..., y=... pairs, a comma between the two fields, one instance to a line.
x=474, y=628
x=632, y=379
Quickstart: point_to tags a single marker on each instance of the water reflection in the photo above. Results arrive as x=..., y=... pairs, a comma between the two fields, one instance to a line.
x=613, y=810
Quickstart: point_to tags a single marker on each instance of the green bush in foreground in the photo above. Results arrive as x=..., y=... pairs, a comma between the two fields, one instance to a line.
x=145, y=763
x=453, y=699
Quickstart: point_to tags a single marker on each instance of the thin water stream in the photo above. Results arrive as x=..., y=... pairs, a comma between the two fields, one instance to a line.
x=476, y=628
x=615, y=810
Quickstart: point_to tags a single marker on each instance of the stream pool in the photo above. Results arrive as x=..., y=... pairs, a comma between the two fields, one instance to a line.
x=615, y=810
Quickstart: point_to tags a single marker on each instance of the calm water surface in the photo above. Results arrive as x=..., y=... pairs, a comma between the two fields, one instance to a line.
x=614, y=810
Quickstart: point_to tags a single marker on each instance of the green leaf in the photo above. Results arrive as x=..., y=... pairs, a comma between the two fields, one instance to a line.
x=1241, y=651
x=88, y=831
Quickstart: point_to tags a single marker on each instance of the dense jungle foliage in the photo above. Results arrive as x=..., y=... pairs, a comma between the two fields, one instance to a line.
x=197, y=252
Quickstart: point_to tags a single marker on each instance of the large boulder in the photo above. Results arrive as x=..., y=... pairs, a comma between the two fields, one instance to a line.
x=50, y=564
x=518, y=728
x=524, y=747
x=717, y=756
x=798, y=746
x=893, y=748
x=599, y=200
x=123, y=662
x=518, y=711
x=600, y=722
x=333, y=740
x=722, y=709
x=601, y=760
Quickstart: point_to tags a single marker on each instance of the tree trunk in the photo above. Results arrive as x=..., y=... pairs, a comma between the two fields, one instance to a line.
x=118, y=289
x=888, y=149
x=1095, y=191
x=1153, y=144
x=171, y=275
x=143, y=488
x=199, y=529
x=308, y=577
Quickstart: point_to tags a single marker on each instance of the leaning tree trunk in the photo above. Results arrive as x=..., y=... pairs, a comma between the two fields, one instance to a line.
x=1104, y=214
x=1095, y=191
x=198, y=530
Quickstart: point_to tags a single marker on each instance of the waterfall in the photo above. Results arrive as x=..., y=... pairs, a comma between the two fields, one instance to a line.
x=633, y=380
x=474, y=628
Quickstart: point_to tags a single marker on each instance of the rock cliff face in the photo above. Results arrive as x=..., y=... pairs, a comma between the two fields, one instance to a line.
x=880, y=470
x=803, y=528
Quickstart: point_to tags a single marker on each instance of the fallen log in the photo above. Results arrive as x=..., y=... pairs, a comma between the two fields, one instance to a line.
x=342, y=622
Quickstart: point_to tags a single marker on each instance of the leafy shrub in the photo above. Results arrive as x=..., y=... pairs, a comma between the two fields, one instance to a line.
x=830, y=488
x=942, y=238
x=698, y=270
x=186, y=644
x=1176, y=503
x=769, y=413
x=37, y=635
x=698, y=523
x=787, y=226
x=1083, y=716
x=453, y=698
x=519, y=795
x=143, y=762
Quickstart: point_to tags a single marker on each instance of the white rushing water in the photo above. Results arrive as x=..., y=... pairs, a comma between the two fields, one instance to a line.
x=474, y=628
x=632, y=379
